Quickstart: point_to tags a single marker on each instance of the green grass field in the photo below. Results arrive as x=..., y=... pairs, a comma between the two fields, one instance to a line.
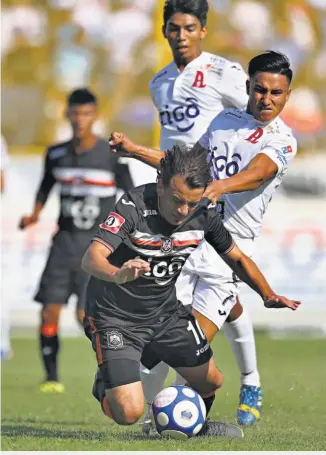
x=293, y=375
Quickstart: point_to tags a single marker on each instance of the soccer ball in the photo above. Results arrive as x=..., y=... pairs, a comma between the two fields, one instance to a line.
x=179, y=412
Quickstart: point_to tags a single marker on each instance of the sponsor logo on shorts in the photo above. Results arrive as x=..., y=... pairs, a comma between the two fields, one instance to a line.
x=202, y=350
x=115, y=339
x=167, y=245
x=113, y=223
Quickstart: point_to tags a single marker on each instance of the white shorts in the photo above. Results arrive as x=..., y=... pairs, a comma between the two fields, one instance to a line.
x=208, y=284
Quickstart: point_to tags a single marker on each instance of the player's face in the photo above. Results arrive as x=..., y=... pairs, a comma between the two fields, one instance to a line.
x=268, y=94
x=177, y=200
x=82, y=118
x=184, y=34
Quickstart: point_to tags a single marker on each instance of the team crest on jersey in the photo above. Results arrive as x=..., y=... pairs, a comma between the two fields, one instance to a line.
x=115, y=339
x=167, y=245
x=113, y=223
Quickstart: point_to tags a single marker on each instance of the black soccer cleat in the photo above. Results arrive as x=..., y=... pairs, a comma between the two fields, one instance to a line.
x=212, y=428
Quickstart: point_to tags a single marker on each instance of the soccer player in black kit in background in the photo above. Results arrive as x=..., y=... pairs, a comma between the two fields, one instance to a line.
x=132, y=313
x=88, y=175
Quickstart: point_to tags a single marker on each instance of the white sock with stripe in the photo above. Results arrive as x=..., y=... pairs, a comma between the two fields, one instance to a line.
x=241, y=337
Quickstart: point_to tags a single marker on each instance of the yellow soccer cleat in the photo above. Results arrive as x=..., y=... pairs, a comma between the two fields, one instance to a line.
x=52, y=387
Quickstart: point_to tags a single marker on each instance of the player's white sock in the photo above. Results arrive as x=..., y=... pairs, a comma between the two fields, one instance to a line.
x=153, y=380
x=241, y=337
x=179, y=380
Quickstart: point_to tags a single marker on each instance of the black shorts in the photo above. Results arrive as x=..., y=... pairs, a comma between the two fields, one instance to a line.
x=178, y=341
x=63, y=275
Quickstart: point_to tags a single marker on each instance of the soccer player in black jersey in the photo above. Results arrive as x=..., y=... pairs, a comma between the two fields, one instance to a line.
x=132, y=313
x=88, y=175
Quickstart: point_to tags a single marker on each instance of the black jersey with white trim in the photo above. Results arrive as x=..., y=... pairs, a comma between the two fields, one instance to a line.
x=135, y=229
x=87, y=182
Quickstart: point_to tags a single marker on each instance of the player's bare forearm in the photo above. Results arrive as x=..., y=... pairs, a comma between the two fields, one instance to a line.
x=260, y=169
x=120, y=143
x=95, y=262
x=147, y=155
x=248, y=272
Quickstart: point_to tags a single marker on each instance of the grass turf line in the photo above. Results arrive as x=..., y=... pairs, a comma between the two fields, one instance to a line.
x=293, y=376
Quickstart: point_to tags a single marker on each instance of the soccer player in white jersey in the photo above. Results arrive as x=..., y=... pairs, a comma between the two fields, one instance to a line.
x=250, y=151
x=191, y=90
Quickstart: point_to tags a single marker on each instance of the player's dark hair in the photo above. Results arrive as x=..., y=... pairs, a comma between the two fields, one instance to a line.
x=197, y=8
x=270, y=62
x=81, y=96
x=191, y=163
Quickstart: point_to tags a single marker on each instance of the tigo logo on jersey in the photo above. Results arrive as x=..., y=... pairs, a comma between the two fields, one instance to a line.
x=113, y=223
x=287, y=149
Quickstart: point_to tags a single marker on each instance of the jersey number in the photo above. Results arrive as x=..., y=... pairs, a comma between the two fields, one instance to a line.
x=197, y=332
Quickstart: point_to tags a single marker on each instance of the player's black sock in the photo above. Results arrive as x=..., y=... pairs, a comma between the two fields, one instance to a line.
x=209, y=402
x=49, y=346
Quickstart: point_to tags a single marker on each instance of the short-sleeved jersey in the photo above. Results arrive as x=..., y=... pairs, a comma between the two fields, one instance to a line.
x=233, y=139
x=88, y=183
x=135, y=229
x=188, y=101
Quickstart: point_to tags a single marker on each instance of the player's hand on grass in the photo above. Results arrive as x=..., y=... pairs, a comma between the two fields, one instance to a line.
x=27, y=220
x=214, y=191
x=278, y=301
x=120, y=143
x=131, y=270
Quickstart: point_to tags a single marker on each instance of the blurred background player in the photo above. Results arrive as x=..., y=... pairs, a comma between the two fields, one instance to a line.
x=188, y=93
x=247, y=133
x=6, y=351
x=88, y=176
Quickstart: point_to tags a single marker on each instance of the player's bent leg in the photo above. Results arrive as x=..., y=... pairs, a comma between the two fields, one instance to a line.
x=239, y=331
x=49, y=344
x=118, y=388
x=126, y=403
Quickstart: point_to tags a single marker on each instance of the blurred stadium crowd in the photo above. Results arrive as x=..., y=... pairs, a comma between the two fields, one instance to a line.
x=50, y=47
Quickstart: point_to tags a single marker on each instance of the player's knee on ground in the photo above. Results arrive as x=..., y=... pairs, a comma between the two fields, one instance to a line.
x=126, y=403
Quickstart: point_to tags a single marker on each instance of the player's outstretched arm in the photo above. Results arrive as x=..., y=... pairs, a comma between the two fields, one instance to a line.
x=95, y=262
x=120, y=143
x=248, y=272
x=260, y=169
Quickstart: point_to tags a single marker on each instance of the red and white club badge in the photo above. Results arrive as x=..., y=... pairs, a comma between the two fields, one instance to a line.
x=113, y=223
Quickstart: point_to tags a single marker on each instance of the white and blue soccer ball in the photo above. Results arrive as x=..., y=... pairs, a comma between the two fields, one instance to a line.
x=179, y=412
